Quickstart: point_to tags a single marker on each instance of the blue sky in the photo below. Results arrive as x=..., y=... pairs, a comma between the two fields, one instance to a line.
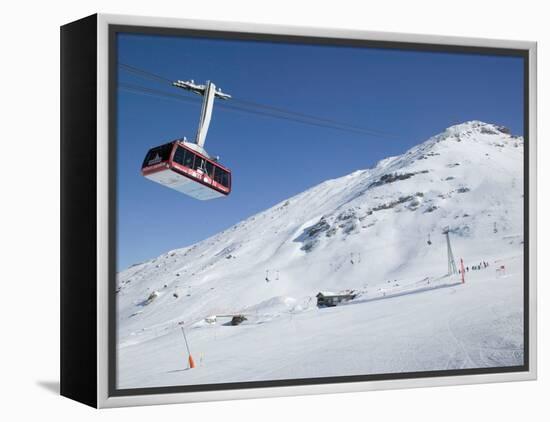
x=412, y=95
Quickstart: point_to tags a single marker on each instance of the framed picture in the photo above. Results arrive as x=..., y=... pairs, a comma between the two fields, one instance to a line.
x=253, y=211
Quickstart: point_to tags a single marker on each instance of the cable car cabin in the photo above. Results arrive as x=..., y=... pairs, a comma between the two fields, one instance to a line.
x=176, y=165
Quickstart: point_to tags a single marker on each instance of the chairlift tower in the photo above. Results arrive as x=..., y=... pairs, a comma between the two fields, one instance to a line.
x=209, y=92
x=451, y=265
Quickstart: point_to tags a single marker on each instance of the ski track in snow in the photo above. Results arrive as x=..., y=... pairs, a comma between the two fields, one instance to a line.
x=366, y=231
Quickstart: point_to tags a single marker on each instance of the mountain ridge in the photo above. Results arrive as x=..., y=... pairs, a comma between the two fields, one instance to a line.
x=377, y=231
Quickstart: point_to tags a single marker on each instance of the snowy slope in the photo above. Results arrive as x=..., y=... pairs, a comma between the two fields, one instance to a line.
x=367, y=231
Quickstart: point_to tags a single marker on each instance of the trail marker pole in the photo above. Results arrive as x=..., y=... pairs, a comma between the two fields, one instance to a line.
x=190, y=359
x=462, y=269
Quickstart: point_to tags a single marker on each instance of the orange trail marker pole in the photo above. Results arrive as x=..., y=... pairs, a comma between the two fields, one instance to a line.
x=190, y=359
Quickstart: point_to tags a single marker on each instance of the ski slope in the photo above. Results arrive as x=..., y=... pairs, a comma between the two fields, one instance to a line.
x=368, y=232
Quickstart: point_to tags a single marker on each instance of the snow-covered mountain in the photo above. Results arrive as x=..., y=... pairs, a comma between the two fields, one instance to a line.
x=377, y=232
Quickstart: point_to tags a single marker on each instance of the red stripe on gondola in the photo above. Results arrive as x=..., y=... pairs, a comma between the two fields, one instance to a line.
x=155, y=168
x=185, y=171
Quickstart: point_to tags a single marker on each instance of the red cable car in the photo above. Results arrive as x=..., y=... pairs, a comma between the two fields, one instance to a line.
x=186, y=166
x=179, y=166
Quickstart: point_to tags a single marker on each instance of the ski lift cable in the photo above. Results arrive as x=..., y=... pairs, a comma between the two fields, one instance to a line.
x=153, y=92
x=144, y=73
x=158, y=93
x=158, y=78
x=308, y=116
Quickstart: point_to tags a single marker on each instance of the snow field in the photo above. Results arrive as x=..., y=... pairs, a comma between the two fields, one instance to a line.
x=367, y=231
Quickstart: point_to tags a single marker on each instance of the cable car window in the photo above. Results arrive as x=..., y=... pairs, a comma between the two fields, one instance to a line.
x=199, y=163
x=157, y=155
x=209, y=168
x=188, y=159
x=224, y=178
x=179, y=155
x=218, y=175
